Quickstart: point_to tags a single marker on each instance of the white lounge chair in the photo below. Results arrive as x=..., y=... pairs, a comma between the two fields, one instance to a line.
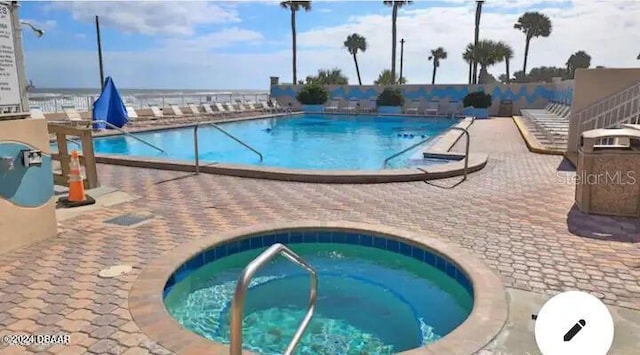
x=194, y=109
x=176, y=110
x=36, y=112
x=351, y=107
x=71, y=113
x=131, y=113
x=432, y=109
x=156, y=111
x=412, y=107
x=333, y=106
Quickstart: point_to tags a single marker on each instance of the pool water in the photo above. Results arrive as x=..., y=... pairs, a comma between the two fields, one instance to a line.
x=370, y=301
x=310, y=141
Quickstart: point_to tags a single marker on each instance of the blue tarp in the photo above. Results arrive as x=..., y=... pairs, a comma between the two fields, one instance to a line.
x=109, y=107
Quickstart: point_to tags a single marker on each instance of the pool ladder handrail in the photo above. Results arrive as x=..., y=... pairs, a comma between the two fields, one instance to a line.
x=237, y=303
x=214, y=124
x=129, y=134
x=466, y=149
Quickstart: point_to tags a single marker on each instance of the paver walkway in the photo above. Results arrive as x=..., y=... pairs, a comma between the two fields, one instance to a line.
x=516, y=214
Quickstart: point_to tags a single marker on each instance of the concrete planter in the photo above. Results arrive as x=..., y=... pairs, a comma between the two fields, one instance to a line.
x=313, y=108
x=477, y=112
x=390, y=110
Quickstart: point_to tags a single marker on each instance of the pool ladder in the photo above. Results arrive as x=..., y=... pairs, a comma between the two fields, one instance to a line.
x=237, y=304
x=466, y=149
x=108, y=124
x=214, y=125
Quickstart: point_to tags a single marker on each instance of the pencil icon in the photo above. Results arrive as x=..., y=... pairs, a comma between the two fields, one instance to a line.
x=574, y=330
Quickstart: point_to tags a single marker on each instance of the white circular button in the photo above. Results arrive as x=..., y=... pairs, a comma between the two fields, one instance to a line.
x=574, y=322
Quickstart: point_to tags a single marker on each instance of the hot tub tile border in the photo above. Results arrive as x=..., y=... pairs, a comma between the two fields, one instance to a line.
x=387, y=243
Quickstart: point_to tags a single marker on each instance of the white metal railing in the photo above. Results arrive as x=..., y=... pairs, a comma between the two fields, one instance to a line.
x=50, y=103
x=237, y=304
x=612, y=111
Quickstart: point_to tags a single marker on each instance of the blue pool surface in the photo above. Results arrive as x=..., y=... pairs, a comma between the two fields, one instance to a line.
x=309, y=141
x=370, y=300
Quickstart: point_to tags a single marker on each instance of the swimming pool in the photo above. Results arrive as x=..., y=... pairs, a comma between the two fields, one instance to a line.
x=308, y=141
x=376, y=295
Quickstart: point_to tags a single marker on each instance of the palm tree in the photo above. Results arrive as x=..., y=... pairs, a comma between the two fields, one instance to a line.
x=486, y=55
x=532, y=24
x=579, y=59
x=477, y=35
x=468, y=57
x=294, y=6
x=386, y=78
x=328, y=77
x=638, y=57
x=436, y=55
x=394, y=33
x=505, y=52
x=355, y=43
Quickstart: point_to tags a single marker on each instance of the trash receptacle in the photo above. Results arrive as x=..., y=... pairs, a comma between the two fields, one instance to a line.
x=608, y=175
x=506, y=108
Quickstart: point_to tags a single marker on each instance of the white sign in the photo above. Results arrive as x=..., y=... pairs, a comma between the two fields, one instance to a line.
x=9, y=86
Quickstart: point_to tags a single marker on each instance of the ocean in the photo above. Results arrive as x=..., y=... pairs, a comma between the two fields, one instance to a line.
x=55, y=99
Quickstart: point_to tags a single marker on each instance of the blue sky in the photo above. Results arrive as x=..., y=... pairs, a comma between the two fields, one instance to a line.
x=238, y=45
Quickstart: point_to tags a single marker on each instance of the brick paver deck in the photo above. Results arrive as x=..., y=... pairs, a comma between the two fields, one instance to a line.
x=516, y=215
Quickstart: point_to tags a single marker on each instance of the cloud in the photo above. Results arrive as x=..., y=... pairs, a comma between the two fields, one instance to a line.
x=218, y=39
x=81, y=35
x=153, y=17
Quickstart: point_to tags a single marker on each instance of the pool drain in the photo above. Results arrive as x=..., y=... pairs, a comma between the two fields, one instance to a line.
x=114, y=271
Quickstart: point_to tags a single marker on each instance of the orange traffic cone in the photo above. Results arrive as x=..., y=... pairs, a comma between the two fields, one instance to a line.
x=77, y=196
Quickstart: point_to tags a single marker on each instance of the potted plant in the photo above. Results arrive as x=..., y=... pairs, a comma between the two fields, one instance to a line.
x=390, y=101
x=312, y=97
x=480, y=101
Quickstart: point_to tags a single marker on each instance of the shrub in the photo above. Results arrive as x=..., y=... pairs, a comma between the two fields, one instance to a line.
x=312, y=94
x=477, y=99
x=390, y=97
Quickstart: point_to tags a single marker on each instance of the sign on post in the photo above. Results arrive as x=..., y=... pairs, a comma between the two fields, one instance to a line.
x=9, y=81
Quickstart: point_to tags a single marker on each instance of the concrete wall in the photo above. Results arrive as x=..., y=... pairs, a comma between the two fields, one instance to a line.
x=590, y=87
x=522, y=95
x=27, y=203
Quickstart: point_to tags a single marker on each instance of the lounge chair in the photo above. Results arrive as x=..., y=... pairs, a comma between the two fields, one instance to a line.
x=230, y=108
x=193, y=108
x=432, y=109
x=71, y=113
x=156, y=111
x=131, y=113
x=333, y=106
x=36, y=112
x=453, y=107
x=175, y=110
x=263, y=107
x=351, y=107
x=277, y=107
x=412, y=107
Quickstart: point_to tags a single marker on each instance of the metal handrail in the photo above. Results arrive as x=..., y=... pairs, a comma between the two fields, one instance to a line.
x=386, y=161
x=237, y=304
x=89, y=123
x=466, y=152
x=195, y=142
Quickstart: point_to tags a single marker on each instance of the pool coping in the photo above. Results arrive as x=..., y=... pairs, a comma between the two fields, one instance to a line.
x=486, y=320
x=442, y=144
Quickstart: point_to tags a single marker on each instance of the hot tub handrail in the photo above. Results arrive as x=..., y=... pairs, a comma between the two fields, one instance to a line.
x=237, y=304
x=195, y=142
